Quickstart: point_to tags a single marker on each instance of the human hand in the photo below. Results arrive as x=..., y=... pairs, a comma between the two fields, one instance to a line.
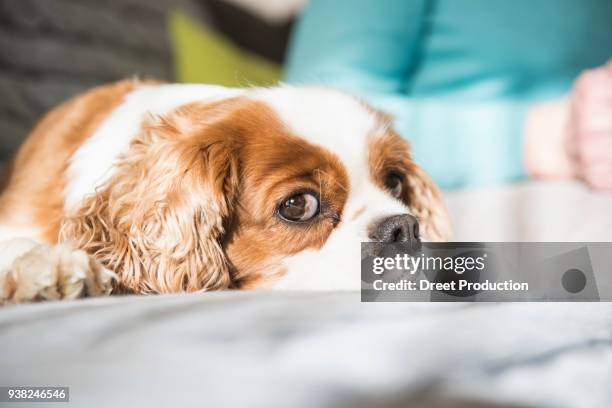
x=589, y=143
x=572, y=137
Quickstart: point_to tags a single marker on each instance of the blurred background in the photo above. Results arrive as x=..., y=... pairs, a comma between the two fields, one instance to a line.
x=51, y=50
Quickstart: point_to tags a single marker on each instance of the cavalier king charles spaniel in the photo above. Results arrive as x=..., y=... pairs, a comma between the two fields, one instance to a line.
x=142, y=187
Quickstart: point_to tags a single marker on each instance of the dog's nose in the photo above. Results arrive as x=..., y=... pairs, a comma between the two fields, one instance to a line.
x=397, y=228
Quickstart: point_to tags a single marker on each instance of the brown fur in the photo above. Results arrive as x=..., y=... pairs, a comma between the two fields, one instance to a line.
x=392, y=153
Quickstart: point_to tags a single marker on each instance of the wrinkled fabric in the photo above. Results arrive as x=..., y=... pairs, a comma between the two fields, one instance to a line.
x=326, y=349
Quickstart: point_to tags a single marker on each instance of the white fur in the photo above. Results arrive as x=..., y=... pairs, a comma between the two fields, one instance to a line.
x=327, y=118
x=9, y=232
x=14, y=242
x=12, y=249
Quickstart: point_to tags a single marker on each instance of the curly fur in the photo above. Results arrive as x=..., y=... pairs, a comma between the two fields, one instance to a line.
x=158, y=221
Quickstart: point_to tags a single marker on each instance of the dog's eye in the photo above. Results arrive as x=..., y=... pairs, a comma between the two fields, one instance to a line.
x=394, y=182
x=299, y=208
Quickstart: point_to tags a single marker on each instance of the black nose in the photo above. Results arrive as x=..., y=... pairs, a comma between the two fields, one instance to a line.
x=397, y=228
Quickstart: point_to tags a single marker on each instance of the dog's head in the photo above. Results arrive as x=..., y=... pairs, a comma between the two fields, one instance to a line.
x=273, y=188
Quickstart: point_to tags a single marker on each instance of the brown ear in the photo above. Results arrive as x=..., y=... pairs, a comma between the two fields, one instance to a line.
x=158, y=221
x=427, y=204
x=421, y=193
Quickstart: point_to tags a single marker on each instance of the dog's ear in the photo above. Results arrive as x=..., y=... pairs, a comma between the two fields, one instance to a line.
x=158, y=221
x=426, y=202
x=421, y=194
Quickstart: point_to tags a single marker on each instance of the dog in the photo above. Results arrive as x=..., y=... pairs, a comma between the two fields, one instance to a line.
x=145, y=187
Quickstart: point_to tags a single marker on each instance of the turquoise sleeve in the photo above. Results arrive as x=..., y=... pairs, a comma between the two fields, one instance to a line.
x=461, y=144
x=360, y=45
x=370, y=48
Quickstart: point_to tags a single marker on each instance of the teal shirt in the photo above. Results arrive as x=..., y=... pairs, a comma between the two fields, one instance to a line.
x=457, y=75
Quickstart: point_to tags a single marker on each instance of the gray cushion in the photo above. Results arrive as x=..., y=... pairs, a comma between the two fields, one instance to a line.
x=51, y=50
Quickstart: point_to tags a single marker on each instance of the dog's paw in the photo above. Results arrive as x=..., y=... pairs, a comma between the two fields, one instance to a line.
x=52, y=273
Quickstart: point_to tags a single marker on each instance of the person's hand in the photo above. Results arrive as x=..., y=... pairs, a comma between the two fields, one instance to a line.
x=573, y=137
x=589, y=143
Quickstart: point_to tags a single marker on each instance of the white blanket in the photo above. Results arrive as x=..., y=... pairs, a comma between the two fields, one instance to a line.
x=275, y=349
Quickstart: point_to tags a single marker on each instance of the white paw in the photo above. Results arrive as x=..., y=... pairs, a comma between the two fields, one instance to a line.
x=54, y=272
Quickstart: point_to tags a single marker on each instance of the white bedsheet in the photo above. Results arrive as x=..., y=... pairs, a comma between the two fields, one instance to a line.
x=275, y=349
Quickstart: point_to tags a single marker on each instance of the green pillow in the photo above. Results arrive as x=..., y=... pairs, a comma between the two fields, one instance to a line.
x=203, y=56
